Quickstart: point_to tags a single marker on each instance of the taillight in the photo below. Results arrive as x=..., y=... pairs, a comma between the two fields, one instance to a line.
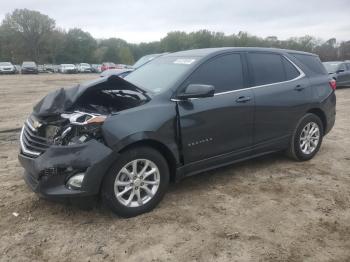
x=333, y=84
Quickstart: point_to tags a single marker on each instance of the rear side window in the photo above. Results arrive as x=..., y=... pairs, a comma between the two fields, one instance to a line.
x=348, y=66
x=312, y=63
x=225, y=73
x=291, y=71
x=266, y=68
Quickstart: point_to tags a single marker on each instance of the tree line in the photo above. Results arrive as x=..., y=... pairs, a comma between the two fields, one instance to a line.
x=30, y=35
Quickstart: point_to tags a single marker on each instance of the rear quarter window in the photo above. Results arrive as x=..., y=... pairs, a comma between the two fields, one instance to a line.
x=312, y=63
x=291, y=71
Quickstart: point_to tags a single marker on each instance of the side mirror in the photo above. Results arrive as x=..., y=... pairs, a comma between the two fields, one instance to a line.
x=197, y=91
x=340, y=71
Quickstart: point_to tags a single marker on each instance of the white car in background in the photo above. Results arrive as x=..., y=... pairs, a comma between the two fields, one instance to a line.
x=7, y=68
x=96, y=68
x=67, y=69
x=84, y=68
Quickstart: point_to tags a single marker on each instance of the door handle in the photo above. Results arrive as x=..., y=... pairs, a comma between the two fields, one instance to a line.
x=299, y=88
x=243, y=99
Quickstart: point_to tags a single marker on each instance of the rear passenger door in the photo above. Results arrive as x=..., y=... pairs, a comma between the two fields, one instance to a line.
x=281, y=93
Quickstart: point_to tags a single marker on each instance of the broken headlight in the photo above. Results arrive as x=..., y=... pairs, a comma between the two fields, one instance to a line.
x=82, y=127
x=82, y=118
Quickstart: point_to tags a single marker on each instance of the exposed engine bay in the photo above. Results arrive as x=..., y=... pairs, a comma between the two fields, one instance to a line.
x=70, y=128
x=75, y=115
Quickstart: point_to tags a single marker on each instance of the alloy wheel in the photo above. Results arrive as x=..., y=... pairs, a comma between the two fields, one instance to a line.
x=309, y=138
x=137, y=183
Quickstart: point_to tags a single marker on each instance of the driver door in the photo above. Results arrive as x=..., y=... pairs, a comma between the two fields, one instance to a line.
x=219, y=128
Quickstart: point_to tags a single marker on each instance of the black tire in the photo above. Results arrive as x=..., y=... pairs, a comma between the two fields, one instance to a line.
x=108, y=193
x=295, y=150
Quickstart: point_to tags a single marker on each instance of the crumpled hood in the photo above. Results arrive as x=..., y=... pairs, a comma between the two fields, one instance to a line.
x=63, y=99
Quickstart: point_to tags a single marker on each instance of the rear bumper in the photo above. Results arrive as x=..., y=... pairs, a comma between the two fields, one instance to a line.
x=48, y=173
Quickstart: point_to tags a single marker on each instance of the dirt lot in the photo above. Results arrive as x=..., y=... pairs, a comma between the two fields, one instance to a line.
x=267, y=209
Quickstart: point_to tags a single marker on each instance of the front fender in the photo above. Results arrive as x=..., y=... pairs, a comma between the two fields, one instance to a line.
x=156, y=123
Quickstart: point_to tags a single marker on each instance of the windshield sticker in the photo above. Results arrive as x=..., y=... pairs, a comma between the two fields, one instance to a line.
x=184, y=61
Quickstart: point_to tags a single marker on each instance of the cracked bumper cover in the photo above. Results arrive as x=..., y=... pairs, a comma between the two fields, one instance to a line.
x=93, y=158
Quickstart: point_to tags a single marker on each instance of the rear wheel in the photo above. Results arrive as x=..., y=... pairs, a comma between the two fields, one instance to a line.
x=137, y=182
x=307, y=138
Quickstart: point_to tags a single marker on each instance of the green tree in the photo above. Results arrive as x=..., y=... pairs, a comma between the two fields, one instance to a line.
x=29, y=30
x=79, y=46
x=126, y=56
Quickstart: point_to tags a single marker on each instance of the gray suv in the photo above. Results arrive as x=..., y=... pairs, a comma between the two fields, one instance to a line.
x=183, y=113
x=339, y=71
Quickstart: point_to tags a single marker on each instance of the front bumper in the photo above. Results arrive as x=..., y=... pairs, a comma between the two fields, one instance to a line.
x=70, y=71
x=48, y=173
x=29, y=71
x=8, y=71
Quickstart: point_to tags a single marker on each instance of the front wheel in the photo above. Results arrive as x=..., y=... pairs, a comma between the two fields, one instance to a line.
x=307, y=138
x=137, y=182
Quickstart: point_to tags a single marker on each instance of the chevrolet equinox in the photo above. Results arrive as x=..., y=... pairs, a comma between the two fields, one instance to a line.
x=178, y=115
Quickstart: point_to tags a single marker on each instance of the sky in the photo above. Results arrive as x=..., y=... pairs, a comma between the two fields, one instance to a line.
x=149, y=20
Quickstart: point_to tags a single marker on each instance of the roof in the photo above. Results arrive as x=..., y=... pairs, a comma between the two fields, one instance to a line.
x=210, y=51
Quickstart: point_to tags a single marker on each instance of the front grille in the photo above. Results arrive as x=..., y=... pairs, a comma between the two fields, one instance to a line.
x=50, y=172
x=32, y=144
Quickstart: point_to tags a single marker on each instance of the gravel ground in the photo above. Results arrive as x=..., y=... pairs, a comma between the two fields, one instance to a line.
x=266, y=209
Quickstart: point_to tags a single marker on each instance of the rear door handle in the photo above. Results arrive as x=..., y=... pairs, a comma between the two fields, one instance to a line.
x=299, y=88
x=243, y=99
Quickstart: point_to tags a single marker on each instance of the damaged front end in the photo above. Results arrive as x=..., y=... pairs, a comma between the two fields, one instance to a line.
x=62, y=146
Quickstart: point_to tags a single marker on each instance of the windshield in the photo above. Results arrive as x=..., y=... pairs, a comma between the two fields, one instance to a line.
x=331, y=67
x=5, y=64
x=161, y=73
x=83, y=64
x=144, y=60
x=28, y=64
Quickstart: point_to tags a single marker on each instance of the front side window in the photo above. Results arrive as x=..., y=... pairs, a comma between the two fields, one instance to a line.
x=266, y=68
x=224, y=72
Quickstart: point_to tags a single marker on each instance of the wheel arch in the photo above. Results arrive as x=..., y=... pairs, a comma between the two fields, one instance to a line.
x=318, y=112
x=160, y=147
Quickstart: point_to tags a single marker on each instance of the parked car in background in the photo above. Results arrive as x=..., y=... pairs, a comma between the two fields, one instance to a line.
x=7, y=68
x=49, y=68
x=41, y=69
x=29, y=67
x=178, y=115
x=67, y=69
x=84, y=68
x=107, y=65
x=339, y=71
x=96, y=68
x=128, y=69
